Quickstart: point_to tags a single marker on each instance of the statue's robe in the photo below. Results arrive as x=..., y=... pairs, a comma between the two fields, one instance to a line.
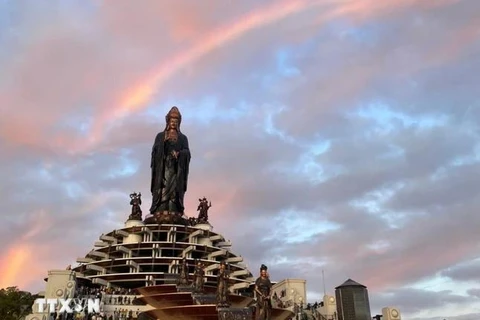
x=183, y=275
x=169, y=175
x=222, y=288
x=199, y=278
x=264, y=307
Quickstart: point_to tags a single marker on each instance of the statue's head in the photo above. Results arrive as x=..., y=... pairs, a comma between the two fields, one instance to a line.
x=173, y=119
x=263, y=270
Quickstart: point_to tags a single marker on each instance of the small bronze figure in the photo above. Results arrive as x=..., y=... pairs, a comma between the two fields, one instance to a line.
x=222, y=286
x=135, y=202
x=191, y=221
x=183, y=279
x=203, y=207
x=263, y=288
x=199, y=277
x=170, y=165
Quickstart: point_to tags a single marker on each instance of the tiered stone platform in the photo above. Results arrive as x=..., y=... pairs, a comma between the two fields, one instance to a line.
x=141, y=254
x=144, y=257
x=173, y=302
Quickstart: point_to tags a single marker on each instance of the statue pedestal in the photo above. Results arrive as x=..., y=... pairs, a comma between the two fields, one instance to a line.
x=166, y=218
x=204, y=226
x=132, y=237
x=204, y=239
x=133, y=223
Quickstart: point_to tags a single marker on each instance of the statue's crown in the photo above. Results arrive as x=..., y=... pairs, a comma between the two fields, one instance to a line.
x=174, y=113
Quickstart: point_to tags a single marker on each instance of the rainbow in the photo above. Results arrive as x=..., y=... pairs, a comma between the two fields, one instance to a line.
x=141, y=93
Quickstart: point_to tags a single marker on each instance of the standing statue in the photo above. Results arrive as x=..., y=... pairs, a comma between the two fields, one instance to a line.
x=222, y=286
x=135, y=202
x=170, y=164
x=203, y=207
x=183, y=279
x=199, y=277
x=263, y=288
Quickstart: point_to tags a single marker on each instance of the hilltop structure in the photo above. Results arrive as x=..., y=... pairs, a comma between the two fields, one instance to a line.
x=170, y=266
x=166, y=265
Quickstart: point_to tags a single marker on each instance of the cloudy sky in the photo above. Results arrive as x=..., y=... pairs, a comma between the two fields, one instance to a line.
x=334, y=134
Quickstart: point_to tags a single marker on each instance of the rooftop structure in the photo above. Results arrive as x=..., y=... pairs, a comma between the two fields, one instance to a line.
x=352, y=301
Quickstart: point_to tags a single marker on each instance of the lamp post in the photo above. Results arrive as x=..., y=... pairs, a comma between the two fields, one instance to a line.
x=297, y=309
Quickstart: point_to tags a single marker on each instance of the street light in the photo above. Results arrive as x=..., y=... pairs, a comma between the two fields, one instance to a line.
x=297, y=309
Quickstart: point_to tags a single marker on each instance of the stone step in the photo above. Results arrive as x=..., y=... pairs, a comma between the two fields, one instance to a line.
x=184, y=288
x=235, y=314
x=204, y=298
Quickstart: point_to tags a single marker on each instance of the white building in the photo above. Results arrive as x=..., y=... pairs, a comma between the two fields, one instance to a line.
x=328, y=309
x=290, y=293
